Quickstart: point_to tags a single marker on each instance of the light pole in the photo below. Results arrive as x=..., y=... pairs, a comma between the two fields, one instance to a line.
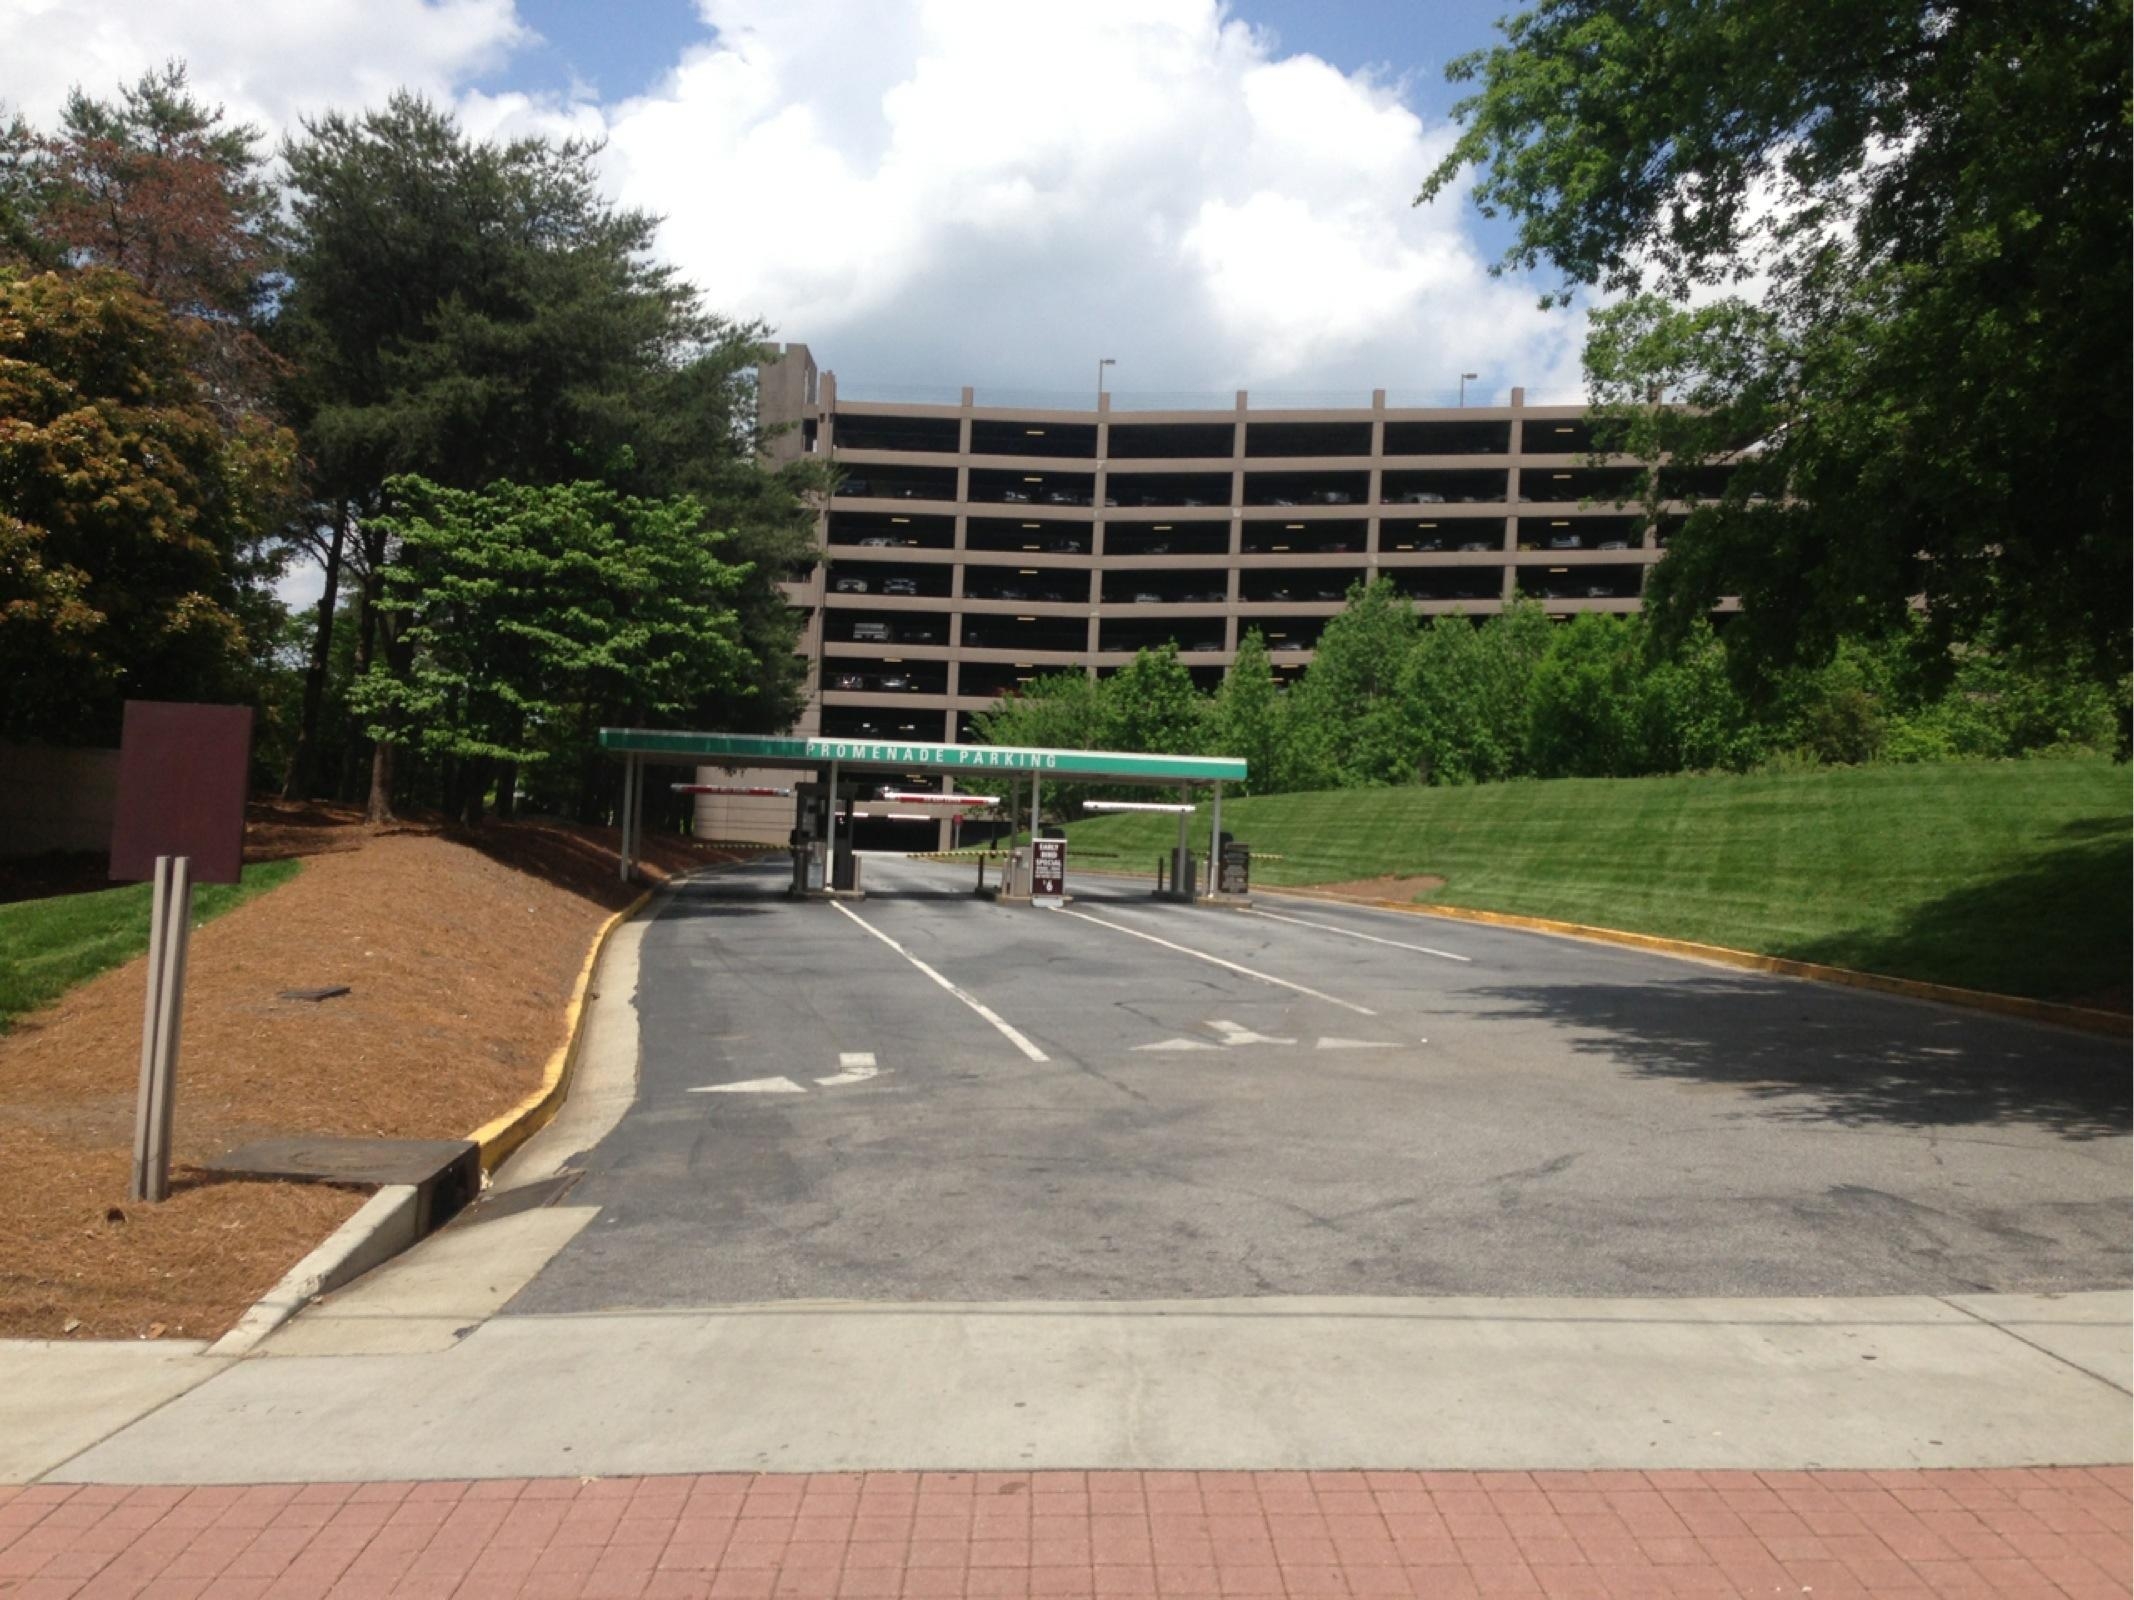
x=1102, y=363
x=1464, y=377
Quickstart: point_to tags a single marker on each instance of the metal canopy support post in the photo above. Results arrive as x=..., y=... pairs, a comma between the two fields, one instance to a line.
x=631, y=779
x=1178, y=861
x=170, y=925
x=829, y=865
x=1215, y=838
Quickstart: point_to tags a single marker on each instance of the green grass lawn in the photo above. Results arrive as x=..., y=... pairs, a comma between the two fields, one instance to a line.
x=2006, y=876
x=48, y=946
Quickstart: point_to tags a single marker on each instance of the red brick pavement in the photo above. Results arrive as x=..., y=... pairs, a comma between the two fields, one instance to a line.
x=1094, y=1535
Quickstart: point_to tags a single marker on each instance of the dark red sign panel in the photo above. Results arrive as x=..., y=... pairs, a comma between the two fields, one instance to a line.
x=1048, y=869
x=183, y=773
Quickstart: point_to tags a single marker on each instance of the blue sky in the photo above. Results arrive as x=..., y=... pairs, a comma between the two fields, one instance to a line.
x=622, y=49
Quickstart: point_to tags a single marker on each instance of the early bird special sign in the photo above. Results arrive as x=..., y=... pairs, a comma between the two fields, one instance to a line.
x=1048, y=872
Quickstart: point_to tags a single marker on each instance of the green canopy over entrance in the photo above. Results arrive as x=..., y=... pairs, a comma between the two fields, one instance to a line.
x=654, y=746
x=764, y=750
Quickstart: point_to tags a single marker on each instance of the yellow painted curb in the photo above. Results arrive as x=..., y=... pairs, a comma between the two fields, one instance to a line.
x=504, y=1134
x=2109, y=1023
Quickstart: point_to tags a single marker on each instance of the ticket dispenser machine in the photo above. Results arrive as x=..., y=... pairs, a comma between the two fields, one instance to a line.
x=813, y=868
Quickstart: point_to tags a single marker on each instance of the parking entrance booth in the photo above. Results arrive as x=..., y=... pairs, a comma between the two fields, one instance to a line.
x=834, y=776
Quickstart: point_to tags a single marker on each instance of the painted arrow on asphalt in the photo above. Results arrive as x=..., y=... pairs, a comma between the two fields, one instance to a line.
x=753, y=1086
x=858, y=1067
x=855, y=1066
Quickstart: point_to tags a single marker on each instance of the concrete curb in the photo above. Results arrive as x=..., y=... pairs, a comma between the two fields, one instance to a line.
x=501, y=1135
x=2111, y=1024
x=382, y=1227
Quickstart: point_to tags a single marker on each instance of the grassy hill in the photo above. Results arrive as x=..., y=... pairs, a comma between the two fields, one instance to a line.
x=48, y=946
x=2007, y=876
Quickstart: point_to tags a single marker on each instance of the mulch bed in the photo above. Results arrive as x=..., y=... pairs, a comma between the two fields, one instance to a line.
x=460, y=948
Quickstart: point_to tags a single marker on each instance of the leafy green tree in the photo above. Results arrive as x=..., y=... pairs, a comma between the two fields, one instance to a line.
x=1151, y=704
x=1055, y=711
x=1249, y=717
x=1582, y=713
x=1930, y=394
x=519, y=606
x=1690, y=716
x=127, y=510
x=1466, y=686
x=1350, y=718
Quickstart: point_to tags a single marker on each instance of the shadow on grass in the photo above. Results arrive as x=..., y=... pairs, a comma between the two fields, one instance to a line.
x=2056, y=928
x=1801, y=1052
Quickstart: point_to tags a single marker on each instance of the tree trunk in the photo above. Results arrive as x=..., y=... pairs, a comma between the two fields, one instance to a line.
x=352, y=751
x=507, y=783
x=380, y=808
x=462, y=784
x=384, y=752
x=299, y=780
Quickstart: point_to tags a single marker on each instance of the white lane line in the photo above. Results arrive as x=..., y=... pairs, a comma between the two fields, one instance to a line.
x=1359, y=1044
x=1007, y=1029
x=1178, y=1044
x=1351, y=933
x=858, y=1067
x=753, y=1086
x=1202, y=955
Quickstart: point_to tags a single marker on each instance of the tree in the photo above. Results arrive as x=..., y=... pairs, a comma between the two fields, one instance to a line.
x=520, y=605
x=1931, y=395
x=1150, y=704
x=126, y=510
x=1582, y=712
x=1690, y=717
x=1350, y=721
x=159, y=185
x=1466, y=686
x=471, y=312
x=1055, y=711
x=1248, y=717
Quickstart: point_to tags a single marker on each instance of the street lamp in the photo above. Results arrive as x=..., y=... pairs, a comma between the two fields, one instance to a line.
x=1102, y=363
x=1464, y=378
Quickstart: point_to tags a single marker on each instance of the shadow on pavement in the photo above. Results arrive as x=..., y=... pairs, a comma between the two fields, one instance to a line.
x=1799, y=1053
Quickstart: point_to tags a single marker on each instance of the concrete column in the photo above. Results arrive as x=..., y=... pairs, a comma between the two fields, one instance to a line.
x=1511, y=496
x=1377, y=484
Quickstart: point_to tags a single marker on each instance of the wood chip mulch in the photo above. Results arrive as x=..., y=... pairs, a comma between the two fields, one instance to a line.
x=460, y=949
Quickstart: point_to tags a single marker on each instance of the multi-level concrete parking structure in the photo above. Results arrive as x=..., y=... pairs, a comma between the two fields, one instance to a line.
x=969, y=548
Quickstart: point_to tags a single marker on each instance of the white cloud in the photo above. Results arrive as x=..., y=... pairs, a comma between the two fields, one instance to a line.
x=960, y=191
x=269, y=63
x=944, y=191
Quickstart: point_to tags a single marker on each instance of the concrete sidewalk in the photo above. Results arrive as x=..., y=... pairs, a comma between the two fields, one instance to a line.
x=410, y=1381
x=1081, y=1536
